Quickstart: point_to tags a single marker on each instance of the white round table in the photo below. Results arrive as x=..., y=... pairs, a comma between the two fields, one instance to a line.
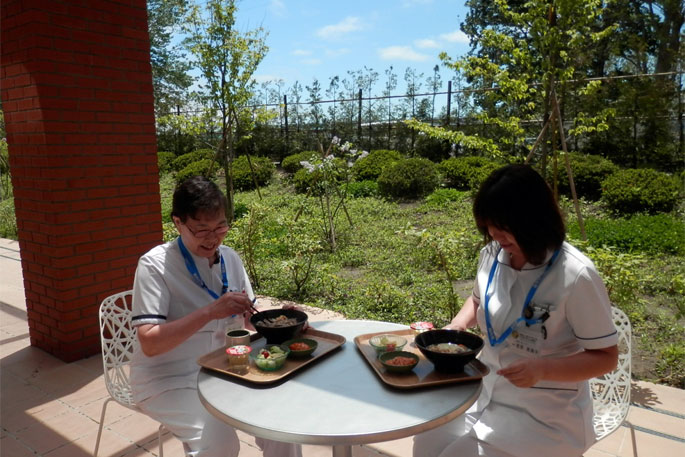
x=337, y=401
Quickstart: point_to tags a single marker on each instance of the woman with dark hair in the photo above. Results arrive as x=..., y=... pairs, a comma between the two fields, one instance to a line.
x=547, y=319
x=186, y=294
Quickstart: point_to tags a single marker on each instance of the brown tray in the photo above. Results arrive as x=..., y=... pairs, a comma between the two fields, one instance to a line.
x=218, y=361
x=423, y=374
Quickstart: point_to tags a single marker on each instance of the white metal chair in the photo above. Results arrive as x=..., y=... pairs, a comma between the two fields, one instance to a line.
x=611, y=392
x=118, y=338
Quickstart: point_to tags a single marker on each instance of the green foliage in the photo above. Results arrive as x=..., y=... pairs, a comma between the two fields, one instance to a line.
x=371, y=166
x=366, y=188
x=165, y=161
x=182, y=161
x=291, y=164
x=640, y=190
x=409, y=178
x=250, y=231
x=198, y=168
x=444, y=197
x=588, y=173
x=655, y=234
x=242, y=174
x=466, y=173
x=8, y=222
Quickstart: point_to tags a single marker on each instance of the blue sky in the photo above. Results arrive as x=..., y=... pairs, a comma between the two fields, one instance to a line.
x=321, y=39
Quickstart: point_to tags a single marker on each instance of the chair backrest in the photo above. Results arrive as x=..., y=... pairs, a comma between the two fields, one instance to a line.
x=611, y=392
x=118, y=339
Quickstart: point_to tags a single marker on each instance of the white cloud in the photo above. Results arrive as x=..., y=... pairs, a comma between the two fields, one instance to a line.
x=302, y=52
x=455, y=37
x=401, y=53
x=348, y=25
x=337, y=52
x=426, y=43
x=277, y=7
x=313, y=61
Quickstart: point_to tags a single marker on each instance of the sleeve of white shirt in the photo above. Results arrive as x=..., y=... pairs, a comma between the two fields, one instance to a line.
x=588, y=311
x=150, y=295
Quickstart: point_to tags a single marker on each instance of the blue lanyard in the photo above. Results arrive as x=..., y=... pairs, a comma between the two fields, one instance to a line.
x=192, y=269
x=491, y=333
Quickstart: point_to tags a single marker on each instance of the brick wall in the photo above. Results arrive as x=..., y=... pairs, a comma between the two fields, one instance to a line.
x=77, y=95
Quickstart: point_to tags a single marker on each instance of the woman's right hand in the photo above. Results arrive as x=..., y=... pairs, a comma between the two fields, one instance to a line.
x=229, y=304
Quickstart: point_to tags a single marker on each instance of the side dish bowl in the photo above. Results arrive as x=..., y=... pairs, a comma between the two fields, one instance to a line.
x=271, y=357
x=387, y=343
x=449, y=362
x=266, y=324
x=301, y=347
x=399, y=361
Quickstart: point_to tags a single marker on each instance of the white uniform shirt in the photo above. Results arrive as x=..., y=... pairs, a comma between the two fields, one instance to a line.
x=164, y=291
x=550, y=416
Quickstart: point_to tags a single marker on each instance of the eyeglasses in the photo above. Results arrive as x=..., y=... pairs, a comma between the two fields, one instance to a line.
x=219, y=231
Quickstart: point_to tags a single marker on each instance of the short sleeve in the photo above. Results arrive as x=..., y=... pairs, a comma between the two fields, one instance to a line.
x=150, y=295
x=588, y=311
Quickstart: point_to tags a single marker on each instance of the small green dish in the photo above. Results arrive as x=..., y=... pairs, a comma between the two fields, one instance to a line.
x=277, y=354
x=301, y=353
x=386, y=357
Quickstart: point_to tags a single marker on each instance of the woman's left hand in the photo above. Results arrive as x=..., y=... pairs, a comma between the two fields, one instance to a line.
x=523, y=373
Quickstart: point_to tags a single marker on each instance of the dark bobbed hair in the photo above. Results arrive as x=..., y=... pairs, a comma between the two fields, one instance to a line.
x=197, y=195
x=515, y=198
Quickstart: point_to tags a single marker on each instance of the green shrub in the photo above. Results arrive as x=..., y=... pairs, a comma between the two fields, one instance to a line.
x=8, y=221
x=640, y=190
x=371, y=166
x=242, y=175
x=292, y=163
x=588, y=173
x=465, y=173
x=409, y=178
x=165, y=161
x=184, y=160
x=199, y=168
x=366, y=188
x=442, y=197
x=655, y=234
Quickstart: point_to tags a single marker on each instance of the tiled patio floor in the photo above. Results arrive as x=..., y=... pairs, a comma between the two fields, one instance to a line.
x=52, y=409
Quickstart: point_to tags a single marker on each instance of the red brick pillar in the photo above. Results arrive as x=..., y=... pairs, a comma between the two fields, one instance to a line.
x=77, y=97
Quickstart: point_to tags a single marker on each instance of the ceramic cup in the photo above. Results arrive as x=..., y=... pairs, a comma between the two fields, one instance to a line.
x=237, y=337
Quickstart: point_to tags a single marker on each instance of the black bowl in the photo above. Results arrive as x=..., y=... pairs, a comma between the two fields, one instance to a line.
x=277, y=335
x=448, y=362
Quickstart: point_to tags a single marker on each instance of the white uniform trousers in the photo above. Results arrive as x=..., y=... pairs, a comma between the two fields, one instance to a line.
x=203, y=435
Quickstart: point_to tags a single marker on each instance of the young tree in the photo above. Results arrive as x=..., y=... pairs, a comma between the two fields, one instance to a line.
x=390, y=85
x=435, y=84
x=170, y=77
x=227, y=60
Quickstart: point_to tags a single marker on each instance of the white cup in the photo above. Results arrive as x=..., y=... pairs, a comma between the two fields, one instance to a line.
x=237, y=337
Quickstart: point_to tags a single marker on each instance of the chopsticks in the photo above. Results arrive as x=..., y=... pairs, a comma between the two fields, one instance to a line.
x=254, y=300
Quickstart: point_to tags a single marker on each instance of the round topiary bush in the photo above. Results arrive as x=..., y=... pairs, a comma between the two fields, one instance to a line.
x=632, y=191
x=588, y=173
x=199, y=168
x=409, y=178
x=184, y=160
x=242, y=175
x=305, y=179
x=371, y=166
x=466, y=173
x=292, y=163
x=366, y=188
x=165, y=161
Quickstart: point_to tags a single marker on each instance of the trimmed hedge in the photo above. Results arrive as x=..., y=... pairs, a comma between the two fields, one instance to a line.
x=588, y=173
x=409, y=179
x=632, y=191
x=198, y=168
x=165, y=160
x=466, y=173
x=291, y=164
x=242, y=175
x=184, y=160
x=371, y=166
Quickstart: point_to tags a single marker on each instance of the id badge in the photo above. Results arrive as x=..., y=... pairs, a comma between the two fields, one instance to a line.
x=527, y=340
